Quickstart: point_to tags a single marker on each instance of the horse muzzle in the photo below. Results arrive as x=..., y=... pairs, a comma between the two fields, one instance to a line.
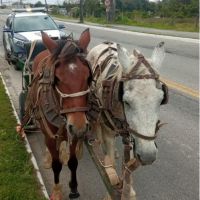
x=79, y=132
x=146, y=153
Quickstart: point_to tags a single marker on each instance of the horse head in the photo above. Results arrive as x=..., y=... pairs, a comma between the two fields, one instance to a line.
x=72, y=74
x=143, y=94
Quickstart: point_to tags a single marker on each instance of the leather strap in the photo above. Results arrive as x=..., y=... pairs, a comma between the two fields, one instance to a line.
x=75, y=109
x=139, y=135
x=132, y=74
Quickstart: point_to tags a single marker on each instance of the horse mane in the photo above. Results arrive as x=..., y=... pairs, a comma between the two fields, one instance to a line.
x=56, y=52
x=66, y=50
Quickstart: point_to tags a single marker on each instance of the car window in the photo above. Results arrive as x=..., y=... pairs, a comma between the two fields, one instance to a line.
x=34, y=23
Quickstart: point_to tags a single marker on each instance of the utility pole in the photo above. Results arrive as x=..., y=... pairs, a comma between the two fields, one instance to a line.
x=46, y=5
x=81, y=11
x=110, y=10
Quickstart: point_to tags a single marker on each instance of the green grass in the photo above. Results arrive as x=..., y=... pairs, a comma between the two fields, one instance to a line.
x=17, y=176
x=187, y=24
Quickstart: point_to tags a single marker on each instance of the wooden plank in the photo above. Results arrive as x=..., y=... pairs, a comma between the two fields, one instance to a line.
x=112, y=190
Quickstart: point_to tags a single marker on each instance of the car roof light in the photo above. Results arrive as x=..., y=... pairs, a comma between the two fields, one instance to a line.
x=40, y=9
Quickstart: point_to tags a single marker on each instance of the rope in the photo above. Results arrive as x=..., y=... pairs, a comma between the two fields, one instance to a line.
x=77, y=94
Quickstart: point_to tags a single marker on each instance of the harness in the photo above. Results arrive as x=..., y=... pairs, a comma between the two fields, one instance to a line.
x=112, y=92
x=44, y=102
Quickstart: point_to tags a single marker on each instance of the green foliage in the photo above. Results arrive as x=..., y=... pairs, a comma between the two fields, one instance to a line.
x=55, y=10
x=38, y=4
x=74, y=12
x=169, y=14
x=17, y=180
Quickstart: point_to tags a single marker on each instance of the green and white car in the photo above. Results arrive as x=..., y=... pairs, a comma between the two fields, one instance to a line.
x=24, y=26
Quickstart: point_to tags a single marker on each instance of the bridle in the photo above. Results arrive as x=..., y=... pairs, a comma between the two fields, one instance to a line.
x=131, y=76
x=72, y=95
x=120, y=125
x=74, y=50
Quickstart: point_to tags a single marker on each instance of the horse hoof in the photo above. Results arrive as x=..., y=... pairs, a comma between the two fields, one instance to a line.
x=56, y=197
x=74, y=195
x=57, y=193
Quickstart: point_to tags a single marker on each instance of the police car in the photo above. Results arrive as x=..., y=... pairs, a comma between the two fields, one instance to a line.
x=24, y=26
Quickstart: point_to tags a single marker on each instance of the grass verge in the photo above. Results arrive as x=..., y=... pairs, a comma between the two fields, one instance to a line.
x=186, y=25
x=17, y=179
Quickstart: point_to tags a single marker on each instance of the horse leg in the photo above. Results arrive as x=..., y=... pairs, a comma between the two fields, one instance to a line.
x=128, y=193
x=56, y=167
x=72, y=165
x=47, y=159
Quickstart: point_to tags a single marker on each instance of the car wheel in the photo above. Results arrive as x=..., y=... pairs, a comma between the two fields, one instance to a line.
x=16, y=67
x=7, y=57
x=6, y=53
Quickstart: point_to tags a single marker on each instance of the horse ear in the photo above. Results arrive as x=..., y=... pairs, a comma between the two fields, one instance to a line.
x=158, y=55
x=123, y=57
x=50, y=44
x=84, y=39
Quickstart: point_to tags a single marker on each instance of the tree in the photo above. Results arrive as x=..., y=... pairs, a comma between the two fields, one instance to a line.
x=38, y=4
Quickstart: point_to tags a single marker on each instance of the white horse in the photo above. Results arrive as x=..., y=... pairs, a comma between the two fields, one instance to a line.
x=141, y=96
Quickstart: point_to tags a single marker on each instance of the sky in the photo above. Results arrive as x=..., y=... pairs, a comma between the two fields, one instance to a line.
x=43, y=1
x=34, y=1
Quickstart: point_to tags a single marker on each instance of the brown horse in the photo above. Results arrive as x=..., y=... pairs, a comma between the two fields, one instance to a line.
x=57, y=99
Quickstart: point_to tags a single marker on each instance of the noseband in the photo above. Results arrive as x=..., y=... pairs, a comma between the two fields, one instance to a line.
x=72, y=95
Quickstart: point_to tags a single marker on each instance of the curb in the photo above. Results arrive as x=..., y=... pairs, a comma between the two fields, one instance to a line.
x=27, y=145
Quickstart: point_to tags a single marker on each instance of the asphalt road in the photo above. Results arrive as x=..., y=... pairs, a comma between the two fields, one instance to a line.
x=174, y=175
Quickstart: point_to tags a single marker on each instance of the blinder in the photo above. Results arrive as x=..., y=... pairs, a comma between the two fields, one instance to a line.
x=120, y=91
x=166, y=95
x=162, y=86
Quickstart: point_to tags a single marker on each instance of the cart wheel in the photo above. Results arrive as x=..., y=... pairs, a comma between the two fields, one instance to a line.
x=22, y=99
x=16, y=67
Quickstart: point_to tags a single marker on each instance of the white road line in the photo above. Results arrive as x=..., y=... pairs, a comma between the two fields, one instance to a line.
x=191, y=40
x=27, y=145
